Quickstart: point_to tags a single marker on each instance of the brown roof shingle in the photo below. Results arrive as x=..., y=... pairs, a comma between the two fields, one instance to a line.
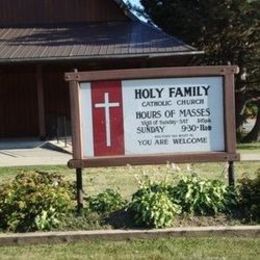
x=87, y=41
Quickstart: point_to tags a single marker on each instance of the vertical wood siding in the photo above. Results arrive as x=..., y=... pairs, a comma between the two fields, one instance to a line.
x=59, y=11
x=57, y=102
x=18, y=94
x=18, y=104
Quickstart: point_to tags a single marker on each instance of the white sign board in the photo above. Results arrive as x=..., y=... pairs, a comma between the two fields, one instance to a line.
x=152, y=116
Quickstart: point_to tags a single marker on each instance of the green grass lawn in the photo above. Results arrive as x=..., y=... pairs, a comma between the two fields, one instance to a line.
x=126, y=179
x=181, y=248
x=249, y=148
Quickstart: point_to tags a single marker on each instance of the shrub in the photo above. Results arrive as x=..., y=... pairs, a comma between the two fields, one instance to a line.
x=34, y=201
x=106, y=202
x=249, y=198
x=152, y=207
x=203, y=197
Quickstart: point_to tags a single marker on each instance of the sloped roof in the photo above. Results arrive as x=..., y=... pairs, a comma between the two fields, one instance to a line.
x=87, y=41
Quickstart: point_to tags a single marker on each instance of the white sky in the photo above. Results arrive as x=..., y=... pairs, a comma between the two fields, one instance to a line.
x=135, y=2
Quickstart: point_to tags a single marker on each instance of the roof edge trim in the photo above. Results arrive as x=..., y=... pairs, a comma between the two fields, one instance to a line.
x=82, y=58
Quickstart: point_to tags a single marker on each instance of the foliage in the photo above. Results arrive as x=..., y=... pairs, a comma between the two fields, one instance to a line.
x=34, y=201
x=229, y=33
x=152, y=207
x=41, y=201
x=106, y=202
x=249, y=198
x=203, y=197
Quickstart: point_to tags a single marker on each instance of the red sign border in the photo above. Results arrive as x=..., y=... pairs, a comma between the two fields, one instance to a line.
x=227, y=72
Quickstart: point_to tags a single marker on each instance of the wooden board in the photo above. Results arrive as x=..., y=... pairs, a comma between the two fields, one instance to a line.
x=228, y=153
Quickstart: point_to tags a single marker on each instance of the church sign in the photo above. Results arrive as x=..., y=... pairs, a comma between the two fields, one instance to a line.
x=149, y=116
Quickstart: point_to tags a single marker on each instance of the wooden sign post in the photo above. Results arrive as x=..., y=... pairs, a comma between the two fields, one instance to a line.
x=153, y=116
